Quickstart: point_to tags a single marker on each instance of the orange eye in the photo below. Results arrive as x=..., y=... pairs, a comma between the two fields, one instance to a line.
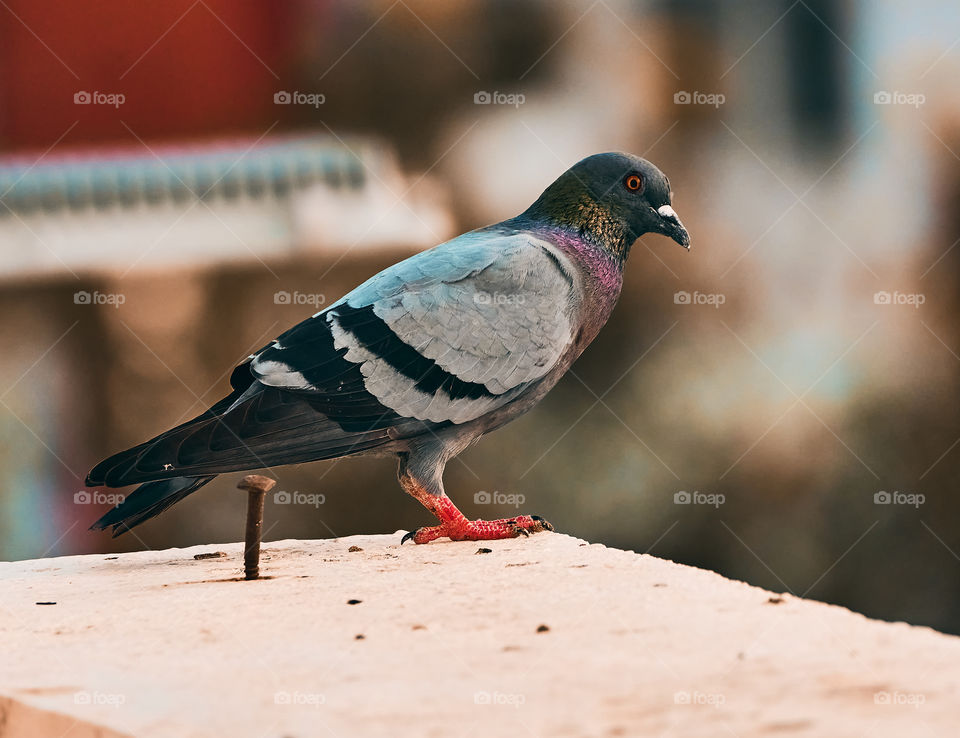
x=633, y=182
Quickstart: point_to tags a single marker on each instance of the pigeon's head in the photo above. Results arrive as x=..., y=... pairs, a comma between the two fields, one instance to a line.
x=612, y=199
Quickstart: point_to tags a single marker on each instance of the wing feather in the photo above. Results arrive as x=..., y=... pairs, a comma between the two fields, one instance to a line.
x=445, y=336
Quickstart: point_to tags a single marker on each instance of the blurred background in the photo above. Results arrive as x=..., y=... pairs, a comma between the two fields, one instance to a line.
x=182, y=180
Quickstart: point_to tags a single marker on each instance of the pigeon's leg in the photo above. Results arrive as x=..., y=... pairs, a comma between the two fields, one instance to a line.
x=426, y=486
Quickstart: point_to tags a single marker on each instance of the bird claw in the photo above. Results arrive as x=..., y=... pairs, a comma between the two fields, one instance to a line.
x=544, y=525
x=480, y=530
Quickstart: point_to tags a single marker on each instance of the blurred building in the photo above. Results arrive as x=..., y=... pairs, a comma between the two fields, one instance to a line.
x=204, y=204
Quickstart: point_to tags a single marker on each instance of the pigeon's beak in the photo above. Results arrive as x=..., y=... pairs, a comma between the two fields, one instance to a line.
x=671, y=226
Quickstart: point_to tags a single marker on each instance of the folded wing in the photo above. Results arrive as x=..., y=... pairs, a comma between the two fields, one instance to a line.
x=445, y=336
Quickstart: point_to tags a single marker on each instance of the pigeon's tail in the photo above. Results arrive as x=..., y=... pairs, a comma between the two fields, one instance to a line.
x=148, y=500
x=256, y=427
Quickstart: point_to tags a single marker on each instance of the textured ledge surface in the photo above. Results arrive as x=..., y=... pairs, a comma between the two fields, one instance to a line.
x=541, y=636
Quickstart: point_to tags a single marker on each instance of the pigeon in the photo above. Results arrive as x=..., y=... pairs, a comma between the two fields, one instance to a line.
x=423, y=358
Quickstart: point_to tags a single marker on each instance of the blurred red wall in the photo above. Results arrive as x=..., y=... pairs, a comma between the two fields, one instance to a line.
x=185, y=68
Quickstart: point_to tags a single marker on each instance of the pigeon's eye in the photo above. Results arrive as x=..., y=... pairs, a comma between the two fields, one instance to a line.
x=633, y=182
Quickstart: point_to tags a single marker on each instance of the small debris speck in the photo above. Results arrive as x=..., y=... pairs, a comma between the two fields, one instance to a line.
x=211, y=555
x=354, y=602
x=659, y=584
x=419, y=627
x=46, y=603
x=359, y=637
x=484, y=550
x=354, y=549
x=111, y=558
x=543, y=628
x=775, y=600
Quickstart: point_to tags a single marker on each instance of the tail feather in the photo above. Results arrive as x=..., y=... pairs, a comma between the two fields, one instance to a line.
x=115, y=466
x=148, y=500
x=254, y=427
x=262, y=428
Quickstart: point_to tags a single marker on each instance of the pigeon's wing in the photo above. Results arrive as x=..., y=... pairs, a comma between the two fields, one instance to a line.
x=445, y=336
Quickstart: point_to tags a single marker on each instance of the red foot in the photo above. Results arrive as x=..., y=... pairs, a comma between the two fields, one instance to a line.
x=455, y=526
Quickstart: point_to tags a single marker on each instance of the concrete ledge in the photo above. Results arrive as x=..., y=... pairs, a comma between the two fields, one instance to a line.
x=541, y=636
x=20, y=719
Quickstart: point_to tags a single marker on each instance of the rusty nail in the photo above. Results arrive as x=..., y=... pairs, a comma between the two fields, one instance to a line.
x=257, y=487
